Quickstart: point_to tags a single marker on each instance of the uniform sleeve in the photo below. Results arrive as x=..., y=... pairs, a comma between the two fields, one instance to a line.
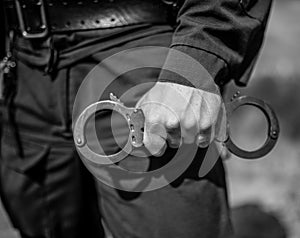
x=224, y=36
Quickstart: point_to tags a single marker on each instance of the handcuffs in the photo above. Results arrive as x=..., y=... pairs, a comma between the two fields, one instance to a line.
x=135, y=120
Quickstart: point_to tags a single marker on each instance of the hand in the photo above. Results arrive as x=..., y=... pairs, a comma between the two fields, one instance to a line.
x=178, y=113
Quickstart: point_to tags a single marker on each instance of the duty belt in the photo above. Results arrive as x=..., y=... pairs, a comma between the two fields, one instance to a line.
x=37, y=18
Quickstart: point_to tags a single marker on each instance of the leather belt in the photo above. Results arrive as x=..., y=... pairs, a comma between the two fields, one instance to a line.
x=38, y=18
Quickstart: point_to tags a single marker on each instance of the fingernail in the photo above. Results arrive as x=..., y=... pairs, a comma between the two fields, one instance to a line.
x=202, y=142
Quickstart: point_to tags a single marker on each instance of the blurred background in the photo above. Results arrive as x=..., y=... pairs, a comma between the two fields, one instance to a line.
x=264, y=193
x=273, y=182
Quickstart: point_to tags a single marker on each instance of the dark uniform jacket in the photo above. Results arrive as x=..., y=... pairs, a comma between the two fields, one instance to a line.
x=223, y=35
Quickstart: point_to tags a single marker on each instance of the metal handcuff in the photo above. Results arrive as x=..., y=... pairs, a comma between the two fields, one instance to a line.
x=135, y=120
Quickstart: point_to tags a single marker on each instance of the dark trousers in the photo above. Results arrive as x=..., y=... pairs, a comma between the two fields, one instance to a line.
x=48, y=193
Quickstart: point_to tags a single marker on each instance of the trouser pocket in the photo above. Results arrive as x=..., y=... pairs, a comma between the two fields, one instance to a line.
x=47, y=192
x=22, y=187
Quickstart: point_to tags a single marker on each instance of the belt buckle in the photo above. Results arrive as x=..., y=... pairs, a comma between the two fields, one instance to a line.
x=25, y=29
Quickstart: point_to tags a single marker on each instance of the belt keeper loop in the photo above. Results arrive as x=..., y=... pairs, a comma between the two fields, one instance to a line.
x=25, y=29
x=52, y=62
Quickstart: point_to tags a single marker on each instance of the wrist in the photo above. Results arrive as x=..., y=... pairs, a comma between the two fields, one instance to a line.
x=194, y=68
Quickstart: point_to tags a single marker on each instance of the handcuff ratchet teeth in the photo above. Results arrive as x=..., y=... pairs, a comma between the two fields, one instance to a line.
x=135, y=120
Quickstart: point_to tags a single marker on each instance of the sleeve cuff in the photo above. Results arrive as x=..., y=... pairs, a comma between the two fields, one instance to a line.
x=194, y=67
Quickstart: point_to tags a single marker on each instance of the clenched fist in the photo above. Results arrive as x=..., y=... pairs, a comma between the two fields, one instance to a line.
x=180, y=114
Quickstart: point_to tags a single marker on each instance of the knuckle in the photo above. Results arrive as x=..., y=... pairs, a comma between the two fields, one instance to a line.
x=156, y=147
x=189, y=123
x=207, y=120
x=203, y=140
x=174, y=143
x=205, y=133
x=205, y=124
x=172, y=123
x=153, y=118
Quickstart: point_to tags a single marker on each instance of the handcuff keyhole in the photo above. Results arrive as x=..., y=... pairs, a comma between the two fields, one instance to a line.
x=131, y=127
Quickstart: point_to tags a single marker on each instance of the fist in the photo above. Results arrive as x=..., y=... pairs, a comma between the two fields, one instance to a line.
x=177, y=114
